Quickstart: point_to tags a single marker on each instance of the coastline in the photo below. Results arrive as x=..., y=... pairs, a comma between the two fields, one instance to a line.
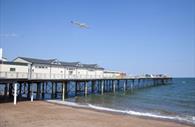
x=41, y=113
x=118, y=112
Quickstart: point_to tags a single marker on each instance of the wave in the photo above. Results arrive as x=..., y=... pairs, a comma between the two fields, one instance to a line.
x=187, y=119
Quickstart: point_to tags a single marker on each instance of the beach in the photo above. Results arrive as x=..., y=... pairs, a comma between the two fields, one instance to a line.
x=44, y=114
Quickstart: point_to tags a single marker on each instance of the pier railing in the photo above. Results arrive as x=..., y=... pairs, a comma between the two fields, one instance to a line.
x=24, y=75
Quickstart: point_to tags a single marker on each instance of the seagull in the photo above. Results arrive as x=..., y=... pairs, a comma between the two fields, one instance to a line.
x=81, y=25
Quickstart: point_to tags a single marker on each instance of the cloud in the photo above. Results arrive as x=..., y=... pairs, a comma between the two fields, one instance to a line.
x=6, y=35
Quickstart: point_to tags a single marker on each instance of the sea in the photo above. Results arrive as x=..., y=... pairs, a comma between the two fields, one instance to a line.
x=174, y=101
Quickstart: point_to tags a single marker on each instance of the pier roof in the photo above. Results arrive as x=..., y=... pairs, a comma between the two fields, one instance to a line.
x=59, y=63
x=39, y=61
x=12, y=63
x=91, y=66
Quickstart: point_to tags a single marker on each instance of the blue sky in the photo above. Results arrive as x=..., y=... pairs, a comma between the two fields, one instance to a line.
x=135, y=36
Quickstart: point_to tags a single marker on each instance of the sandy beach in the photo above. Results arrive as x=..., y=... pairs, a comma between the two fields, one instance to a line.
x=44, y=114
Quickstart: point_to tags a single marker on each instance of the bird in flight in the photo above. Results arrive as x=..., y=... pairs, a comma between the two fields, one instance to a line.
x=80, y=25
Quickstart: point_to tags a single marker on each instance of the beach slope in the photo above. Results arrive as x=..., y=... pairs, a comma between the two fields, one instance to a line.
x=40, y=113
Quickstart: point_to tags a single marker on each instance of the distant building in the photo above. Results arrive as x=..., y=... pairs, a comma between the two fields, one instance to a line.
x=114, y=74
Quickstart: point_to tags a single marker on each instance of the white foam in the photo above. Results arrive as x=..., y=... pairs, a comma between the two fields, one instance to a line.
x=189, y=120
x=67, y=103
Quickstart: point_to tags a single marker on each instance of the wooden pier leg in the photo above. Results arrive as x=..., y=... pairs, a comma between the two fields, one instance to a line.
x=46, y=86
x=63, y=91
x=163, y=82
x=154, y=82
x=15, y=93
x=108, y=86
x=104, y=83
x=28, y=91
x=38, y=90
x=143, y=83
x=139, y=80
x=20, y=90
x=52, y=90
x=37, y=95
x=102, y=87
x=118, y=84
x=105, y=86
x=24, y=88
x=93, y=86
x=43, y=90
x=99, y=86
x=114, y=86
x=132, y=83
x=10, y=89
x=76, y=87
x=32, y=92
x=125, y=85
x=86, y=88
x=5, y=90
x=111, y=85
x=56, y=90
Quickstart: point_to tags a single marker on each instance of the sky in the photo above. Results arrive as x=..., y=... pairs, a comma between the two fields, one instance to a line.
x=134, y=36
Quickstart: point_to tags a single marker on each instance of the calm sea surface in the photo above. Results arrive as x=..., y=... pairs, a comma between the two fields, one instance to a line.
x=173, y=101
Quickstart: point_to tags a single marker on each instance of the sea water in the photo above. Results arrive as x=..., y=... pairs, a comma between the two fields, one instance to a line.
x=175, y=101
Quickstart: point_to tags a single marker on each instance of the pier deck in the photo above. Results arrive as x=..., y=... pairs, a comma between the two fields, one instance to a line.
x=18, y=88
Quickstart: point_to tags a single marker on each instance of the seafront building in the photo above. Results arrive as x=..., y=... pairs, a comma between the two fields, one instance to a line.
x=33, y=68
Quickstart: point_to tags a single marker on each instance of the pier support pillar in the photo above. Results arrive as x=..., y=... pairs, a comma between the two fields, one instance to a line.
x=32, y=92
x=63, y=91
x=118, y=84
x=15, y=93
x=86, y=88
x=10, y=89
x=5, y=90
x=114, y=86
x=46, y=86
x=20, y=90
x=102, y=87
x=104, y=82
x=28, y=91
x=111, y=85
x=38, y=90
x=76, y=87
x=24, y=88
x=93, y=86
x=125, y=85
x=56, y=90
x=52, y=90
x=132, y=84
x=43, y=90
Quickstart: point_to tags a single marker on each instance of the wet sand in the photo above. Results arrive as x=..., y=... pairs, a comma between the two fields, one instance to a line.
x=43, y=114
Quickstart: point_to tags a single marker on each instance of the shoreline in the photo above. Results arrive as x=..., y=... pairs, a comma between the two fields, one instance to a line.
x=118, y=113
x=41, y=113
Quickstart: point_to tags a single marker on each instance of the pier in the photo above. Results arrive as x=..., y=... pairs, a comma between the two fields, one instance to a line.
x=31, y=78
x=17, y=89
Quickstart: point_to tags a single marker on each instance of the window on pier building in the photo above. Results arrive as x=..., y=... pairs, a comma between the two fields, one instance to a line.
x=12, y=69
x=70, y=72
